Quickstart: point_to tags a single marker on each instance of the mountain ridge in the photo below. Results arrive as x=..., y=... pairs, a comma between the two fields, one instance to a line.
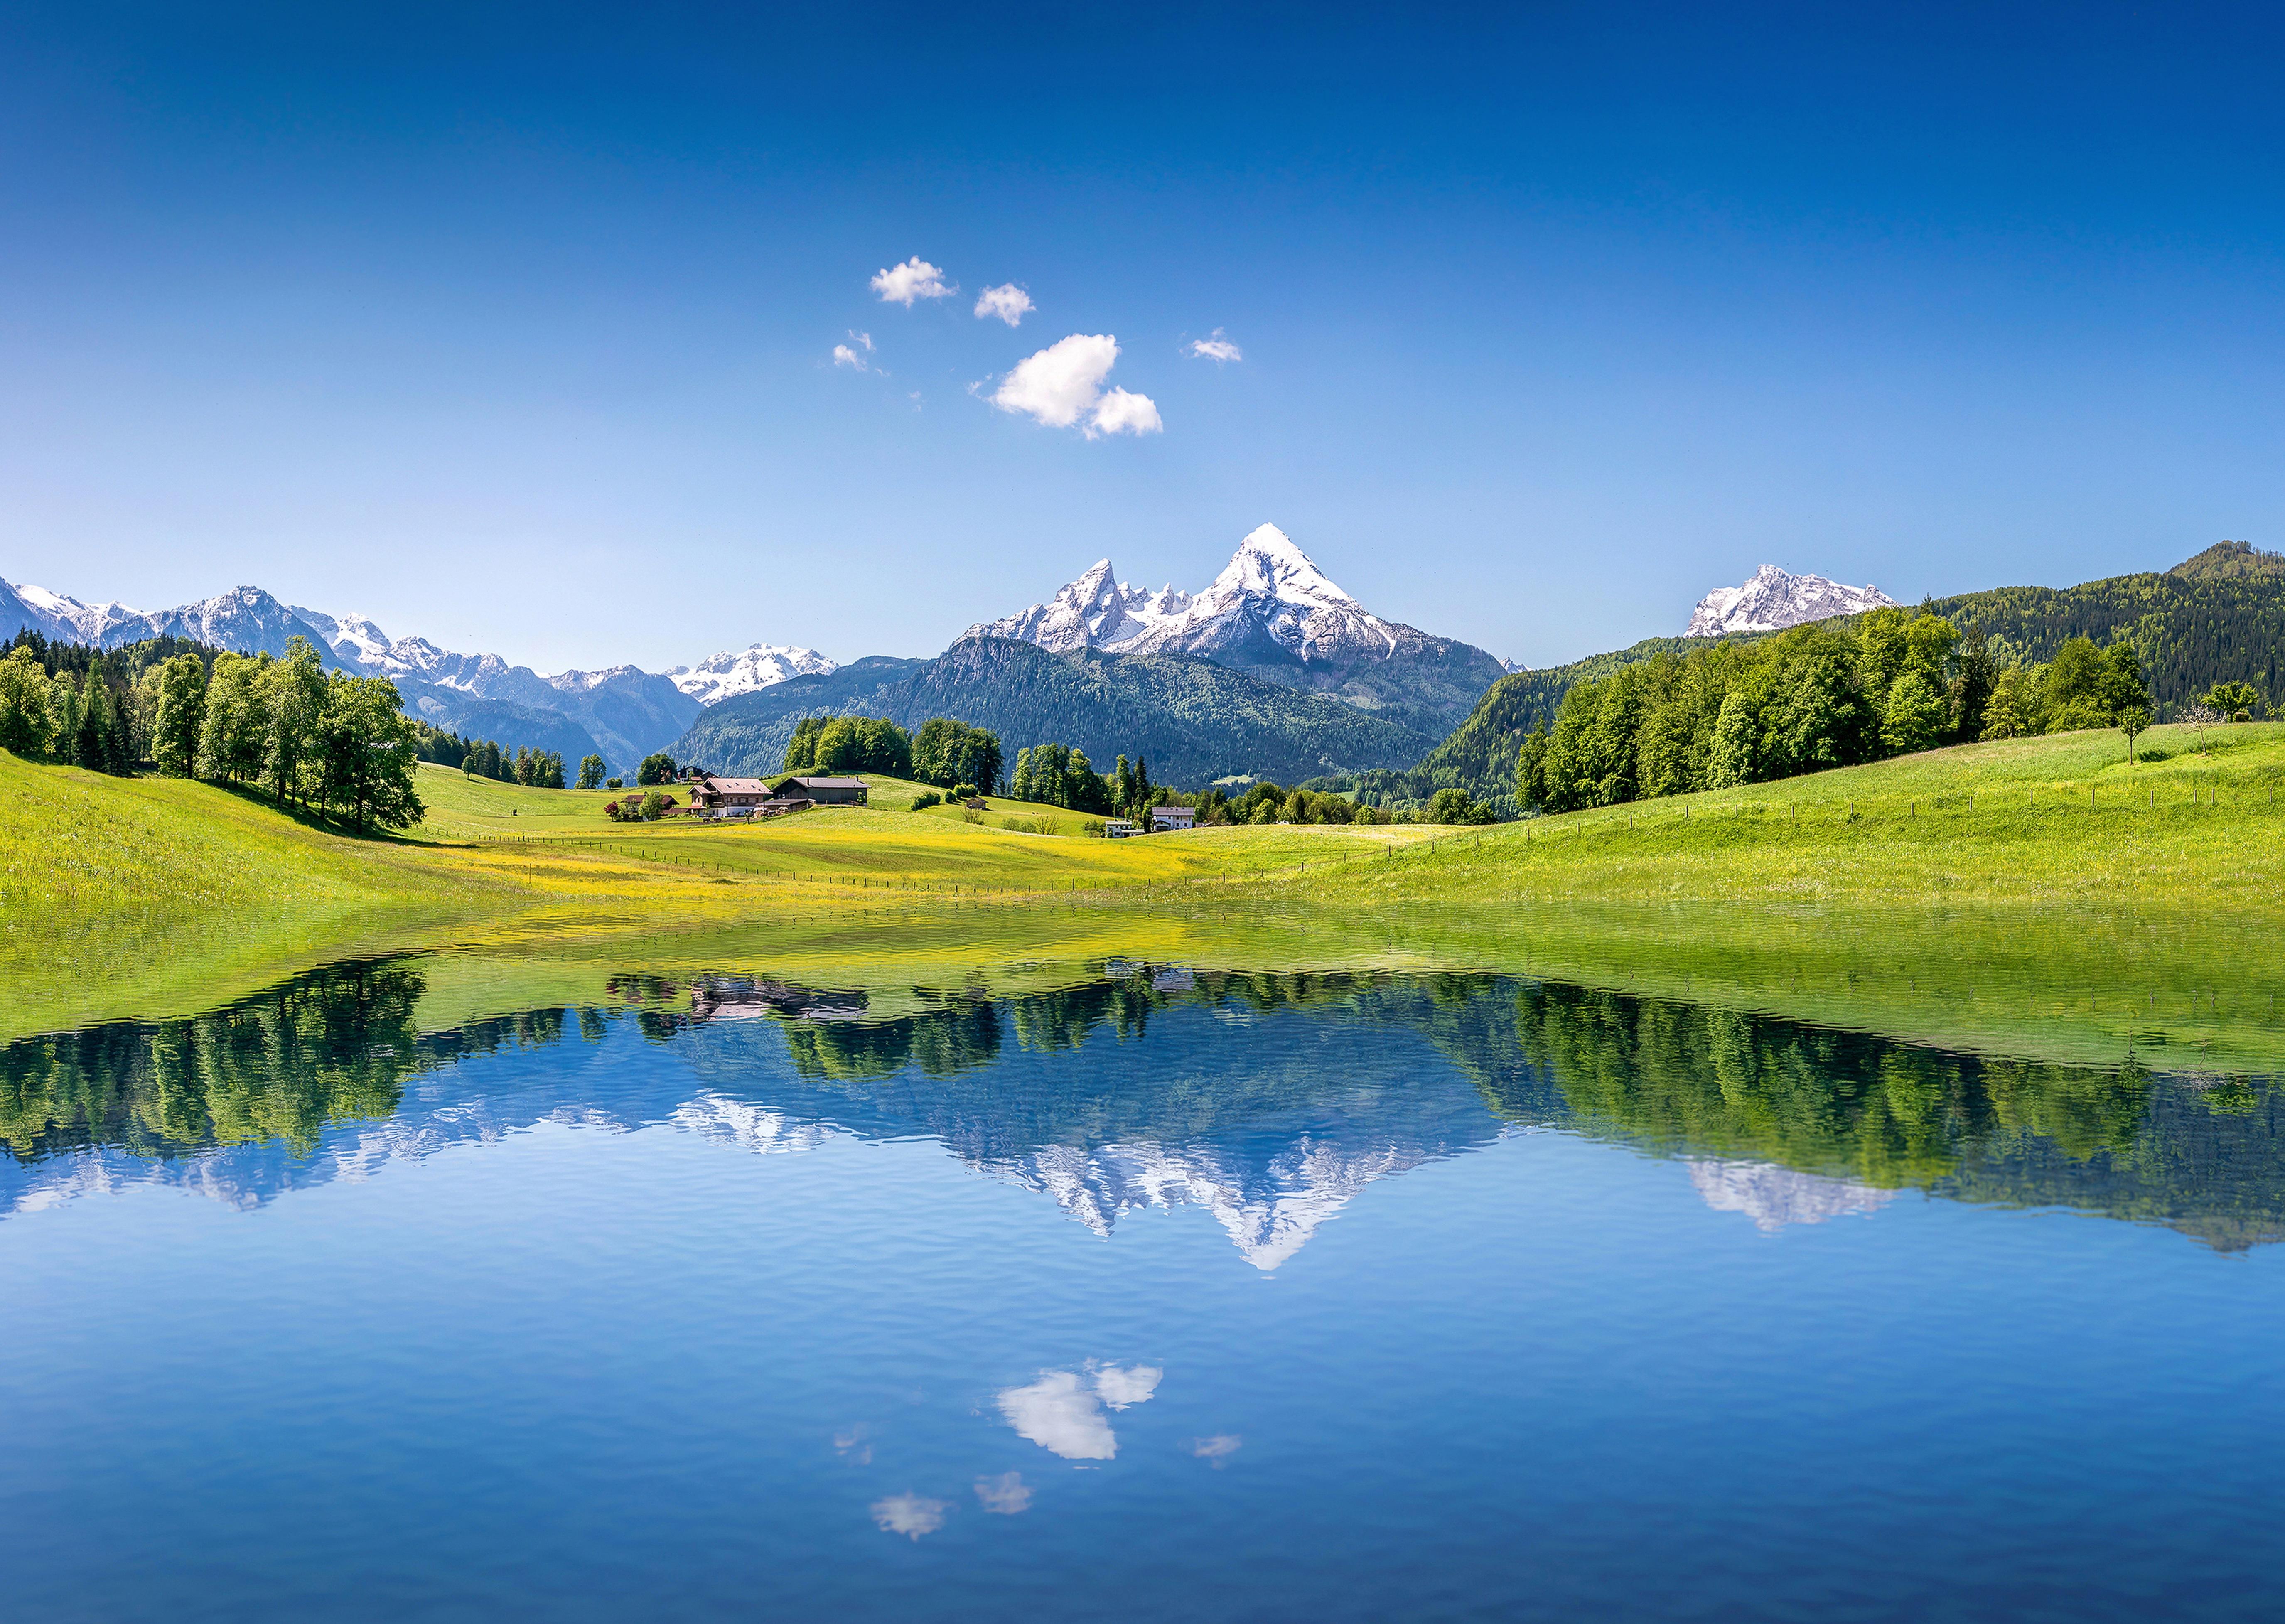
x=1195, y=719
x=1274, y=613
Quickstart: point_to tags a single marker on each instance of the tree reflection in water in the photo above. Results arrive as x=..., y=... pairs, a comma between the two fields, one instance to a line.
x=1271, y=1097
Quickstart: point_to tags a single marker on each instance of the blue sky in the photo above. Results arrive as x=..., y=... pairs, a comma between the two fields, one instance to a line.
x=515, y=327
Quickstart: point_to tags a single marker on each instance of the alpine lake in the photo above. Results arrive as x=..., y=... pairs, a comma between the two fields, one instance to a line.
x=1004, y=1282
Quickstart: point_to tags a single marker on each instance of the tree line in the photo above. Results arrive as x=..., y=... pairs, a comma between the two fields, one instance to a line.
x=942, y=752
x=1829, y=695
x=341, y=744
x=486, y=759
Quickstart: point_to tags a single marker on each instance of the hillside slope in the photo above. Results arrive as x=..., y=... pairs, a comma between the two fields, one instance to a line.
x=1195, y=720
x=2217, y=617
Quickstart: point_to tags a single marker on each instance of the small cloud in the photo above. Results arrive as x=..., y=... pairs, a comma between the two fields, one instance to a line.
x=865, y=339
x=1132, y=1386
x=850, y=1445
x=1120, y=413
x=1008, y=302
x=843, y=356
x=1006, y=1493
x=913, y=279
x=1060, y=1415
x=909, y=1514
x=1216, y=349
x=1218, y=1449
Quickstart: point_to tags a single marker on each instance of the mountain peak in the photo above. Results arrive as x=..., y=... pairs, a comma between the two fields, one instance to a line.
x=1774, y=599
x=744, y=670
x=1270, y=564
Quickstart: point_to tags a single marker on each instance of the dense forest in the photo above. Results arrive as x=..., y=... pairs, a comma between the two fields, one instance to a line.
x=326, y=742
x=1829, y=695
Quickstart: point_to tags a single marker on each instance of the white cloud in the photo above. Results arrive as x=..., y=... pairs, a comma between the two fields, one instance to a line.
x=1215, y=349
x=1218, y=1449
x=1008, y=302
x=1060, y=1415
x=1132, y=1386
x=1058, y=385
x=865, y=339
x=843, y=356
x=1120, y=412
x=1062, y=384
x=1006, y=1493
x=909, y=1515
x=915, y=279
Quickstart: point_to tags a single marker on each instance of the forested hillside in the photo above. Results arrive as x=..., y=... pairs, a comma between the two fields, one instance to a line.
x=2217, y=617
x=1195, y=721
x=2223, y=620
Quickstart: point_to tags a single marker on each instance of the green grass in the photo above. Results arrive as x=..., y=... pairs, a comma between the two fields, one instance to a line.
x=2038, y=897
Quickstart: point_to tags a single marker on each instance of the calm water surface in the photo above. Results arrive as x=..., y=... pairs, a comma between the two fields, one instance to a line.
x=1158, y=1294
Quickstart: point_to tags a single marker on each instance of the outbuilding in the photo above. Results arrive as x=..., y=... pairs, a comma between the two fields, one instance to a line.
x=823, y=791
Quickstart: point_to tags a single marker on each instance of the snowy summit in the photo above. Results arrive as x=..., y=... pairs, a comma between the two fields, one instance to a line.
x=1774, y=600
x=747, y=670
x=1271, y=593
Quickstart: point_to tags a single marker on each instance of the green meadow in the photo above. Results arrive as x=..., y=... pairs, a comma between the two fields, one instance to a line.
x=2040, y=896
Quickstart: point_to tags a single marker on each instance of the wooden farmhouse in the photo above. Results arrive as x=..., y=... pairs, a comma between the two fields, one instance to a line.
x=712, y=794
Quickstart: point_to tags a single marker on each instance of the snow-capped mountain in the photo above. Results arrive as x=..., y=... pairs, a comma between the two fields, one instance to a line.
x=246, y=619
x=55, y=616
x=1271, y=611
x=1774, y=600
x=1269, y=589
x=620, y=712
x=746, y=671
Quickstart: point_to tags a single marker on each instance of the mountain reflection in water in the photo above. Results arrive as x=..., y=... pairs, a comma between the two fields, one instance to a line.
x=1269, y=1100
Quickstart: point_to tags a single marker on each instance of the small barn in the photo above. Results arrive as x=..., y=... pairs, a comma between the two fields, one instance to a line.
x=823, y=791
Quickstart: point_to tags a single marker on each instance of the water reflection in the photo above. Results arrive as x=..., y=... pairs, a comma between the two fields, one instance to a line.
x=1269, y=1101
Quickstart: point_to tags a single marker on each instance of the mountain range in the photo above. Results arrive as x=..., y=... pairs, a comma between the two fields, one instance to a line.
x=1272, y=670
x=620, y=713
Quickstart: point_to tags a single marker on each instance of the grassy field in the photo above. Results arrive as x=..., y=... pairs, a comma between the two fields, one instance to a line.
x=2039, y=895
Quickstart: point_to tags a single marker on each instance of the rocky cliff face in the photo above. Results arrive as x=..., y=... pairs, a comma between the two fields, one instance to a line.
x=1774, y=600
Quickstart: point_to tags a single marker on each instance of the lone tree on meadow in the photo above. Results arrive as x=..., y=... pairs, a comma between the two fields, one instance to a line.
x=2233, y=702
x=2120, y=690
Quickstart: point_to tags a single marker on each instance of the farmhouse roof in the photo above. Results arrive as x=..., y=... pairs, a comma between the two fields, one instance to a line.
x=830, y=783
x=739, y=786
